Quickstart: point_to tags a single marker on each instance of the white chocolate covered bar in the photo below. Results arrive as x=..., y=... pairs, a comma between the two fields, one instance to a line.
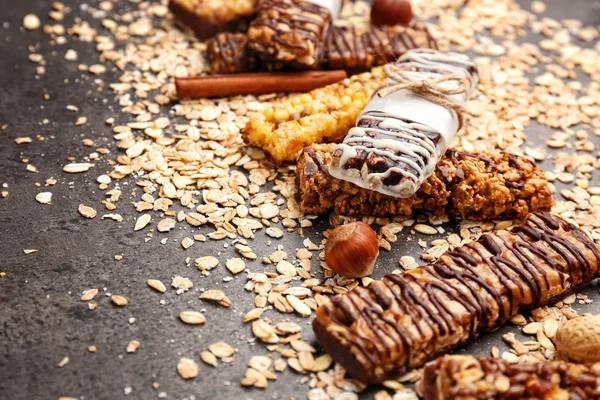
x=400, y=137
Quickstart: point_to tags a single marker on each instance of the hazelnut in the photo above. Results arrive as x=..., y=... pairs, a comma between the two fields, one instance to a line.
x=352, y=249
x=391, y=12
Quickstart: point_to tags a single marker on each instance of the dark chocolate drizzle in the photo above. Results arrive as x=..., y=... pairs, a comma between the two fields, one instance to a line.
x=493, y=278
x=308, y=25
x=352, y=47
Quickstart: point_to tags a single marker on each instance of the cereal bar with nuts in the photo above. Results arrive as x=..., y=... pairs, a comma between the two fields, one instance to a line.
x=227, y=53
x=477, y=186
x=321, y=115
x=408, y=124
x=361, y=48
x=482, y=378
x=208, y=17
x=396, y=324
x=293, y=31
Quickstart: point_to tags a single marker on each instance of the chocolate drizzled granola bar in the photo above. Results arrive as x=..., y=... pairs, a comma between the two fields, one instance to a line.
x=481, y=378
x=208, y=17
x=293, y=31
x=356, y=47
x=478, y=186
x=227, y=53
x=396, y=324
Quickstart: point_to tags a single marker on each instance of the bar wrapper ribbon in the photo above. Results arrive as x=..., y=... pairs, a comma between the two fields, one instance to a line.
x=434, y=90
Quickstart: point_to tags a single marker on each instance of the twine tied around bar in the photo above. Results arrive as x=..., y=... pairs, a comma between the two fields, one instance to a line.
x=433, y=90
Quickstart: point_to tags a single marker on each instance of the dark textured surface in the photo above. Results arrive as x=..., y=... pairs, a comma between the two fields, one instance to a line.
x=41, y=317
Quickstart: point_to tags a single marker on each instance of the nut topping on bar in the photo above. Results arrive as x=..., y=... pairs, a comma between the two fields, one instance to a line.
x=400, y=136
x=483, y=378
x=356, y=47
x=293, y=31
x=402, y=321
x=476, y=186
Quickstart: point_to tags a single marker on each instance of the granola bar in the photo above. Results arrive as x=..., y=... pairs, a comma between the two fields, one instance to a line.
x=292, y=31
x=227, y=53
x=208, y=17
x=361, y=48
x=477, y=186
x=321, y=115
x=400, y=137
x=398, y=323
x=481, y=378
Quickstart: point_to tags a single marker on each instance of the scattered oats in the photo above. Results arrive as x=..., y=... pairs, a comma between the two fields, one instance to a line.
x=405, y=394
x=286, y=268
x=301, y=345
x=30, y=251
x=165, y=225
x=63, y=362
x=71, y=55
x=97, y=69
x=510, y=357
x=209, y=358
x=221, y=350
x=206, y=263
x=265, y=332
x=236, y=265
x=92, y=349
x=89, y=294
x=104, y=179
x=119, y=300
x=187, y=368
x=114, y=217
x=425, y=229
x=132, y=346
x=274, y=232
x=253, y=314
x=77, y=167
x=192, y=317
x=187, y=242
x=44, y=197
x=86, y=211
x=294, y=363
x=182, y=284
x=31, y=168
x=538, y=7
x=80, y=121
x=31, y=22
x=217, y=296
x=322, y=363
x=269, y=210
x=142, y=222
x=23, y=140
x=157, y=285
x=306, y=360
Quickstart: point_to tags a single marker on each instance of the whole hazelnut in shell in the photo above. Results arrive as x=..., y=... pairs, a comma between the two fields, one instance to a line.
x=391, y=12
x=352, y=249
x=579, y=339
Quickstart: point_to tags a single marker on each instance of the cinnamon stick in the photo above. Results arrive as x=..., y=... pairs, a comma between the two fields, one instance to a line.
x=255, y=83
